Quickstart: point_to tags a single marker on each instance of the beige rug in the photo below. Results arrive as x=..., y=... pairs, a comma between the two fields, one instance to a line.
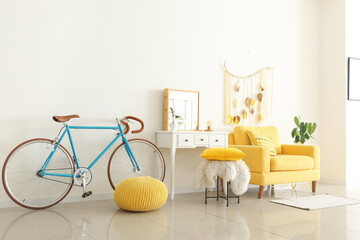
x=317, y=202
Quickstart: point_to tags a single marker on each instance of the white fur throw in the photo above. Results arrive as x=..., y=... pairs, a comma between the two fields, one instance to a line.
x=237, y=172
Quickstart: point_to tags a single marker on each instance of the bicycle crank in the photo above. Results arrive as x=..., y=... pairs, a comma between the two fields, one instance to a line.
x=82, y=178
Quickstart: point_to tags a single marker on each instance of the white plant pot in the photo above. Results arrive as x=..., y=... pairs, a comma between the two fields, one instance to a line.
x=173, y=127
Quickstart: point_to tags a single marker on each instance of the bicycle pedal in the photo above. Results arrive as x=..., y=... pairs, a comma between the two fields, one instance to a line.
x=86, y=194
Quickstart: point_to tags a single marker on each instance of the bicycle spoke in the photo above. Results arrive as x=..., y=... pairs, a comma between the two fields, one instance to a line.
x=20, y=166
x=26, y=160
x=147, y=156
x=34, y=189
x=56, y=180
x=22, y=182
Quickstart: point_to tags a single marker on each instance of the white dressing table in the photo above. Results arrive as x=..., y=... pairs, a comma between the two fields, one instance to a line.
x=188, y=139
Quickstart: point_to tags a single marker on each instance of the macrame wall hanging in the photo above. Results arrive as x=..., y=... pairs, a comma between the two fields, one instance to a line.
x=248, y=99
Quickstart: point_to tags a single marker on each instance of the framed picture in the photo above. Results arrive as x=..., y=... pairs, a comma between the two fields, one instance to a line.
x=354, y=79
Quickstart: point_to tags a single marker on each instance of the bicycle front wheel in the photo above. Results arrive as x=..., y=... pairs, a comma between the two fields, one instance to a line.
x=21, y=178
x=147, y=155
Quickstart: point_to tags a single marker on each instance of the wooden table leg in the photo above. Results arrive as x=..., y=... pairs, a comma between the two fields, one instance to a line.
x=313, y=185
x=172, y=156
x=261, y=190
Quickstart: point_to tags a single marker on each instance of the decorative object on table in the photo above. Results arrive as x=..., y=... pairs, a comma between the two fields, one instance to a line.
x=173, y=119
x=209, y=124
x=241, y=92
x=293, y=162
x=187, y=106
x=140, y=194
x=317, y=202
x=303, y=130
x=225, y=163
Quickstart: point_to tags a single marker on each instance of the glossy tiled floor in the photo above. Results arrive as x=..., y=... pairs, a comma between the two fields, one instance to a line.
x=189, y=218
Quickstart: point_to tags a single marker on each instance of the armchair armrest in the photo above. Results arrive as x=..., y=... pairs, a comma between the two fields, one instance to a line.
x=257, y=157
x=306, y=150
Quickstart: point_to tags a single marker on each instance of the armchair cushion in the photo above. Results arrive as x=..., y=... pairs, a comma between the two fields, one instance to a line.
x=284, y=162
x=241, y=137
x=305, y=150
x=259, y=139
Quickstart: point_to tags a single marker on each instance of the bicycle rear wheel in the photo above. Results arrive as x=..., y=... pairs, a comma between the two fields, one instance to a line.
x=147, y=155
x=25, y=186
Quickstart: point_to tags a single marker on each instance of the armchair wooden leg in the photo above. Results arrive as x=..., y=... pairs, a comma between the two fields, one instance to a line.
x=313, y=184
x=261, y=190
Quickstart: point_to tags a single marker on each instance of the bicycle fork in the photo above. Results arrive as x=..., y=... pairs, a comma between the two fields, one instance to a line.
x=136, y=167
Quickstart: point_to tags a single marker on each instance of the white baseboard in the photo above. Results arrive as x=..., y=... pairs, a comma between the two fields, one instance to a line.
x=332, y=181
x=95, y=197
x=188, y=190
x=7, y=204
x=108, y=196
x=72, y=198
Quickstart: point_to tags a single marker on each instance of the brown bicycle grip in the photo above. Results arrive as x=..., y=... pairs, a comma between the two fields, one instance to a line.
x=127, y=126
x=139, y=120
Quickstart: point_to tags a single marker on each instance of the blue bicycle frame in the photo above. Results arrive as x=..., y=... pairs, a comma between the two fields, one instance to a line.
x=67, y=131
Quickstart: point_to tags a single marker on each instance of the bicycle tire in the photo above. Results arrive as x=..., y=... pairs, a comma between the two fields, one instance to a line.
x=147, y=155
x=34, y=191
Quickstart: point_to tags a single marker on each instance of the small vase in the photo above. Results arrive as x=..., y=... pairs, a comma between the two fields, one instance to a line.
x=173, y=127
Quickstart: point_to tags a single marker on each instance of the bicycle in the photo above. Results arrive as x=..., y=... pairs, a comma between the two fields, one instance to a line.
x=40, y=172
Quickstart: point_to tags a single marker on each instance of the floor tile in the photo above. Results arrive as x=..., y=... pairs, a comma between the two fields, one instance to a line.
x=238, y=231
x=42, y=224
x=188, y=217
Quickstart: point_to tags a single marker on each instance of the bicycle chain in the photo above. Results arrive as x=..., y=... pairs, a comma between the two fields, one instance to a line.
x=54, y=179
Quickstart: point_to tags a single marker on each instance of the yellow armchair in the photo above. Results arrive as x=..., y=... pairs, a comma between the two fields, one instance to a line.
x=294, y=163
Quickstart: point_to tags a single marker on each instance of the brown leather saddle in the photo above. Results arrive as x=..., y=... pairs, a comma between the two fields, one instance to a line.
x=64, y=118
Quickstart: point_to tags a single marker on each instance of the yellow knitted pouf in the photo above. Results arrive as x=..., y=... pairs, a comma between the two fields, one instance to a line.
x=140, y=194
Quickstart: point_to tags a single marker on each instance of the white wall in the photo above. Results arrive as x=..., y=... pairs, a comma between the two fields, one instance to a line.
x=332, y=91
x=103, y=59
x=352, y=107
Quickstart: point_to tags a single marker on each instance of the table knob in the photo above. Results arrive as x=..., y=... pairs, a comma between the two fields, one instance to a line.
x=186, y=140
x=202, y=139
x=217, y=140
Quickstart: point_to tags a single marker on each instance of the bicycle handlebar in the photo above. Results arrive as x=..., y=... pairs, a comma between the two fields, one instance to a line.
x=128, y=127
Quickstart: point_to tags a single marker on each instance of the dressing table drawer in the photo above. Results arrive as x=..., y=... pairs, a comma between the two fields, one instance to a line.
x=185, y=140
x=217, y=140
x=201, y=139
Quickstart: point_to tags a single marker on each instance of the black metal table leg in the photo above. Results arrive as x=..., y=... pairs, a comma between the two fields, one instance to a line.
x=217, y=189
x=227, y=193
x=226, y=197
x=205, y=195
